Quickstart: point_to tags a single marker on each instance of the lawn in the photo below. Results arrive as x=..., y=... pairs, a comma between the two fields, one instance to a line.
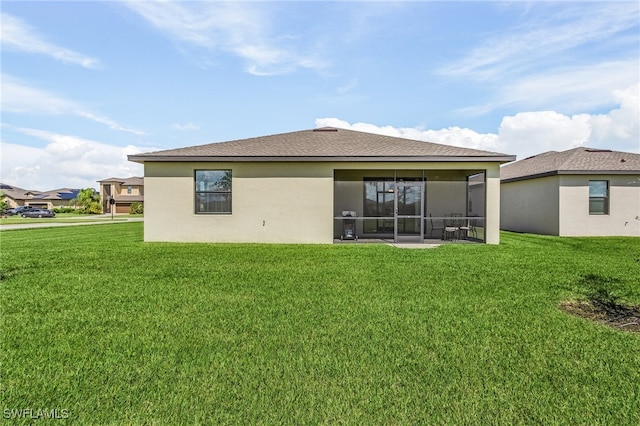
x=107, y=329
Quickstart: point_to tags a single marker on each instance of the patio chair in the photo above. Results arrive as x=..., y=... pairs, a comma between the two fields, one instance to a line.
x=464, y=227
x=451, y=227
x=435, y=228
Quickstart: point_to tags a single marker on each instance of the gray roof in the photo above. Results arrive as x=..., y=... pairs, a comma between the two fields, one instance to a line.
x=133, y=180
x=25, y=194
x=14, y=192
x=129, y=198
x=574, y=161
x=323, y=144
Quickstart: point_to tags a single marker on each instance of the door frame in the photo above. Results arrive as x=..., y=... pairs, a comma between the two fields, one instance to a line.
x=419, y=237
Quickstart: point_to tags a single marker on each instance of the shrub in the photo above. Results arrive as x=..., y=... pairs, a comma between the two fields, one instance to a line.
x=65, y=210
x=94, y=208
x=89, y=200
x=136, y=208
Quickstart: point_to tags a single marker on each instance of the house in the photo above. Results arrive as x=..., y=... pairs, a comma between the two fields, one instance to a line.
x=316, y=186
x=123, y=192
x=56, y=198
x=579, y=192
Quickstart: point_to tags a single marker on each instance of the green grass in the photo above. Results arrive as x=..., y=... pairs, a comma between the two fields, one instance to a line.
x=116, y=330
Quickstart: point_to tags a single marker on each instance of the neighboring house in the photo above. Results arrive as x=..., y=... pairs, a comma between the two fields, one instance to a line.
x=56, y=198
x=579, y=192
x=123, y=191
x=297, y=188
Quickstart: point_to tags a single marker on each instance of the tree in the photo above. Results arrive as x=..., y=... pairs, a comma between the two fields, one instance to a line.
x=3, y=202
x=89, y=201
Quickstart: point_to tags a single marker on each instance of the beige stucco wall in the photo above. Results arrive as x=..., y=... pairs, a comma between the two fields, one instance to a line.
x=624, y=206
x=530, y=206
x=273, y=202
x=492, y=223
x=122, y=190
x=559, y=205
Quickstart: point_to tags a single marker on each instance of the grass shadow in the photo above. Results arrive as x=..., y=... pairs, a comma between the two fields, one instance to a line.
x=602, y=302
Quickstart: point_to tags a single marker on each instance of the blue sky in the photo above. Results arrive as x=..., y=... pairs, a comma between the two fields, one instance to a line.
x=85, y=83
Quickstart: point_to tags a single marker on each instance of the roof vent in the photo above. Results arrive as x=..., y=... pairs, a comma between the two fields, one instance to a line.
x=325, y=129
x=623, y=160
x=597, y=150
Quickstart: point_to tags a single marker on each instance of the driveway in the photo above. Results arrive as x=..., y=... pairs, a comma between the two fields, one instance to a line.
x=105, y=219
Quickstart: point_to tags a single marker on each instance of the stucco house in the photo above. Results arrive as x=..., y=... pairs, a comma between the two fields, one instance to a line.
x=317, y=186
x=55, y=198
x=123, y=192
x=578, y=192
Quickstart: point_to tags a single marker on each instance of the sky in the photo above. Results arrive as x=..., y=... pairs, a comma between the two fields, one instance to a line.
x=83, y=84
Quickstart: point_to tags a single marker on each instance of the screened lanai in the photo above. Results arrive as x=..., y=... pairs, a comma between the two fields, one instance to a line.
x=409, y=205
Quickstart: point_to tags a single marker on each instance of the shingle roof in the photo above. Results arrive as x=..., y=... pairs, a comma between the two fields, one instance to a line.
x=574, y=161
x=14, y=192
x=133, y=180
x=24, y=194
x=324, y=144
x=61, y=194
x=129, y=198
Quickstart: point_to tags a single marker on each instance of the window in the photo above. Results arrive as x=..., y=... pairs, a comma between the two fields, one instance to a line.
x=598, y=197
x=129, y=190
x=213, y=191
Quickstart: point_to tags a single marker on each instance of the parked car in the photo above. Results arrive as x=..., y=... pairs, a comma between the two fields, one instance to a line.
x=17, y=210
x=38, y=213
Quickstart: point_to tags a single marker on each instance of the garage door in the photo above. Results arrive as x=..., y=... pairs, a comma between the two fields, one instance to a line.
x=123, y=208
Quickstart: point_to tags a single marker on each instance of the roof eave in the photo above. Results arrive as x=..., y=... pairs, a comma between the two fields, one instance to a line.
x=324, y=159
x=570, y=172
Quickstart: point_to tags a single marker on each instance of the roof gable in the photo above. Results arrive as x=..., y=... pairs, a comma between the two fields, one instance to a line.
x=132, y=181
x=323, y=144
x=14, y=192
x=62, y=194
x=24, y=194
x=580, y=160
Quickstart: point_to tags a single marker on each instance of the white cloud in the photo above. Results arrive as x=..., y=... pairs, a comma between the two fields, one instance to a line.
x=455, y=136
x=621, y=126
x=186, y=126
x=65, y=161
x=570, y=89
x=535, y=132
x=237, y=28
x=16, y=34
x=529, y=133
x=112, y=124
x=347, y=88
x=568, y=59
x=551, y=34
x=19, y=98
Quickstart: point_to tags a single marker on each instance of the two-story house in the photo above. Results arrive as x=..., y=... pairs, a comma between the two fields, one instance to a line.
x=123, y=192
